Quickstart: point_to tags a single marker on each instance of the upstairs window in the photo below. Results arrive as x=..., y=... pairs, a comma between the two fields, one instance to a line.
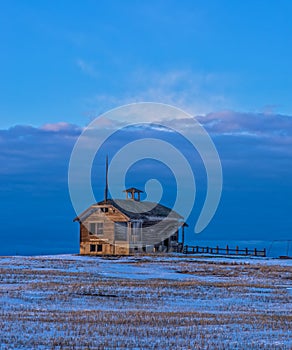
x=96, y=228
x=99, y=228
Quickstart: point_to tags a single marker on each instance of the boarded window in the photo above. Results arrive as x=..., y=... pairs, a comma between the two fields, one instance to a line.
x=99, y=247
x=121, y=231
x=92, y=248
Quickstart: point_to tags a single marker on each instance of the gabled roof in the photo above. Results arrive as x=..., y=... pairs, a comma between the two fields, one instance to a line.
x=84, y=215
x=141, y=210
x=134, y=210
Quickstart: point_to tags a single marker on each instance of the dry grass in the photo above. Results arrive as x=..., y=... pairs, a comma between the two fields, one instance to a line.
x=229, y=306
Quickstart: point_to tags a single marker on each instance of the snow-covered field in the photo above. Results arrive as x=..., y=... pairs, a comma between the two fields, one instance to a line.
x=145, y=302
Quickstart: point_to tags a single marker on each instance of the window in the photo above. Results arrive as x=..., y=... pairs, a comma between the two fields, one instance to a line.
x=92, y=248
x=136, y=228
x=121, y=231
x=96, y=228
x=173, y=237
x=99, y=228
x=92, y=228
x=99, y=247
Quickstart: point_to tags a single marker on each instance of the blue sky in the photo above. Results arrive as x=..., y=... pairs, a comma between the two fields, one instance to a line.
x=63, y=63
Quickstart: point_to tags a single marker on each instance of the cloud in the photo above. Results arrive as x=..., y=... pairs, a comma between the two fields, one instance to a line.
x=61, y=126
x=257, y=173
x=264, y=132
x=257, y=124
x=264, y=129
x=29, y=150
x=88, y=68
x=264, y=139
x=195, y=92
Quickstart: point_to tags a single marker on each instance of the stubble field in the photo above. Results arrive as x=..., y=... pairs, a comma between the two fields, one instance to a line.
x=145, y=302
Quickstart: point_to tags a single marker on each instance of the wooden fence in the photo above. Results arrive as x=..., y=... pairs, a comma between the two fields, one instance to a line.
x=223, y=251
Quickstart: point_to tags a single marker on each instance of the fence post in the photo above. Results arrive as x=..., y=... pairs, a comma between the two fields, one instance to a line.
x=264, y=252
x=236, y=250
x=186, y=249
x=255, y=251
x=246, y=251
x=197, y=249
x=217, y=249
x=227, y=250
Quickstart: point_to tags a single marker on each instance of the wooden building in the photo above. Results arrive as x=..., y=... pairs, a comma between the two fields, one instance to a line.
x=127, y=226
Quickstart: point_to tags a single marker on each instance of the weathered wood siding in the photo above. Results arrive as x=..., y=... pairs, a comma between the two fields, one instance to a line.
x=107, y=215
x=119, y=236
x=155, y=232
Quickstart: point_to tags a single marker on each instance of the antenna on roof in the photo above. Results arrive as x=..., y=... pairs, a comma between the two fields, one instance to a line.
x=106, y=180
